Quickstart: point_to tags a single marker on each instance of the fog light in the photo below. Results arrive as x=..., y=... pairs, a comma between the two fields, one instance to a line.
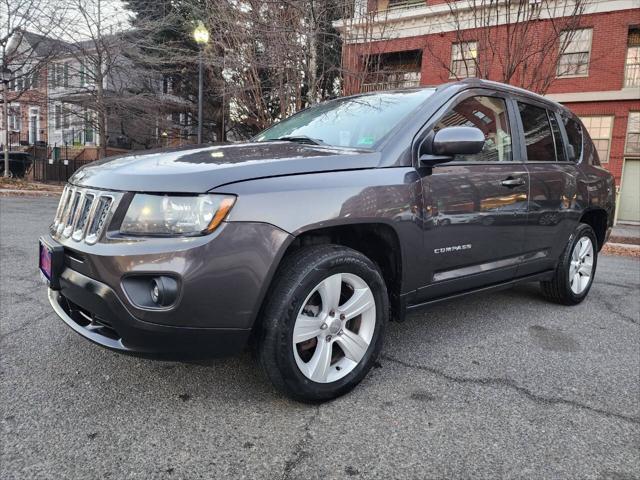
x=151, y=291
x=156, y=293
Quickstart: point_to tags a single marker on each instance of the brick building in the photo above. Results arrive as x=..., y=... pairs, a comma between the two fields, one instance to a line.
x=590, y=62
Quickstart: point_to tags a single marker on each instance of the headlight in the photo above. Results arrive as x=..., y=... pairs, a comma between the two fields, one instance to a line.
x=175, y=214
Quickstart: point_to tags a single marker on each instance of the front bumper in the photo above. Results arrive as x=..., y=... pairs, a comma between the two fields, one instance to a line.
x=223, y=279
x=93, y=311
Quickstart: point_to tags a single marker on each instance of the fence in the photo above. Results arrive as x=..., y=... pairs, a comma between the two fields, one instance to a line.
x=55, y=170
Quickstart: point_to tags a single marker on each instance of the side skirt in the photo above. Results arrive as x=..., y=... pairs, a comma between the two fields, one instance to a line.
x=542, y=276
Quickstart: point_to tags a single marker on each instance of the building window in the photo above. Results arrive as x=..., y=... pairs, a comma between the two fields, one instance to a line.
x=65, y=75
x=89, y=130
x=405, y=4
x=633, y=134
x=14, y=118
x=65, y=116
x=463, y=59
x=57, y=116
x=59, y=78
x=575, y=51
x=599, y=129
x=632, y=64
x=19, y=83
x=392, y=70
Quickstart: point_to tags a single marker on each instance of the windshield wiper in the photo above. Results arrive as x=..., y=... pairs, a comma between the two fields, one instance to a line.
x=298, y=139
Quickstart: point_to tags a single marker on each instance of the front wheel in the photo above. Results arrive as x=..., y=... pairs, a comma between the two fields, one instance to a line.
x=575, y=271
x=324, y=322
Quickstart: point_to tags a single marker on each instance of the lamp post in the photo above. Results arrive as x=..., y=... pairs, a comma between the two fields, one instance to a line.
x=201, y=36
x=6, y=78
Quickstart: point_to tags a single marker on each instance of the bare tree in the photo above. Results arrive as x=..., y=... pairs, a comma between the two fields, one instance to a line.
x=516, y=42
x=24, y=54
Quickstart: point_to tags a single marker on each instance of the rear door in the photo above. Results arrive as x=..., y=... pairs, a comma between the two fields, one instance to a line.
x=554, y=205
x=475, y=205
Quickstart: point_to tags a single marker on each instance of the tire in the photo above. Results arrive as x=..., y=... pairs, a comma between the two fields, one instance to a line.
x=565, y=288
x=303, y=293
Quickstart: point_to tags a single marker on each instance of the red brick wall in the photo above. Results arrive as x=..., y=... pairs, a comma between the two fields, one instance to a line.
x=606, y=67
x=28, y=99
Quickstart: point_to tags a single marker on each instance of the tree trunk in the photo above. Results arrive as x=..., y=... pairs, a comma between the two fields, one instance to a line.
x=102, y=118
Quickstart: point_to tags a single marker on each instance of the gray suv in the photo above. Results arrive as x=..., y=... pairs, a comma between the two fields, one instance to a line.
x=308, y=239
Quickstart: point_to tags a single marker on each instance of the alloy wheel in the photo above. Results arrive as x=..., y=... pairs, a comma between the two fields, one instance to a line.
x=334, y=328
x=581, y=266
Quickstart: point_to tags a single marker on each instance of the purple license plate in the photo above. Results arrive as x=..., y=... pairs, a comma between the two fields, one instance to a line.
x=45, y=261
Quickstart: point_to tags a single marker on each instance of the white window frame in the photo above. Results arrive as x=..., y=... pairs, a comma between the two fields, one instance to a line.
x=635, y=132
x=468, y=62
x=587, y=121
x=576, y=46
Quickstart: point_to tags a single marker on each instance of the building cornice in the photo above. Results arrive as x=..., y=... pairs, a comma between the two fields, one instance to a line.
x=426, y=20
x=600, y=96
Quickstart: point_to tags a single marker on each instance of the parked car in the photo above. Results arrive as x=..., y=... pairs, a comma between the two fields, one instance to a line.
x=19, y=163
x=298, y=240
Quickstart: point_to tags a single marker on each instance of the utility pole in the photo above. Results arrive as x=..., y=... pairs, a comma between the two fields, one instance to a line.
x=6, y=78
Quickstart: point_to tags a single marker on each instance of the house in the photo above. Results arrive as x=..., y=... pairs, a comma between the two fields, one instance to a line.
x=592, y=64
x=62, y=101
x=27, y=89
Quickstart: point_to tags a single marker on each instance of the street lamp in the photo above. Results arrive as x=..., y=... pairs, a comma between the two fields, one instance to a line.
x=201, y=36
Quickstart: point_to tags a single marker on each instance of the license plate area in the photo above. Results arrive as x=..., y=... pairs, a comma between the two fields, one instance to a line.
x=51, y=263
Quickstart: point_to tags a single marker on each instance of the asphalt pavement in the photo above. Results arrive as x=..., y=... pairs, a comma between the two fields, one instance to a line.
x=501, y=385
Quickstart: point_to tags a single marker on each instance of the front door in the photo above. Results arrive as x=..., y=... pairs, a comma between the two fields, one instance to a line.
x=34, y=124
x=476, y=205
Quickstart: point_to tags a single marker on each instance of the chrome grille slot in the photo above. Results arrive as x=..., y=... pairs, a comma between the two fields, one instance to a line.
x=66, y=212
x=63, y=203
x=83, y=217
x=72, y=213
x=99, y=219
x=83, y=213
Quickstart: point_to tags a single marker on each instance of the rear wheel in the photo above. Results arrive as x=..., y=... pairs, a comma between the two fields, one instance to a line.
x=324, y=322
x=575, y=271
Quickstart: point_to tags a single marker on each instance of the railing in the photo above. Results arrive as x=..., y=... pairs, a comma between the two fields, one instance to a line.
x=405, y=5
x=59, y=170
x=377, y=86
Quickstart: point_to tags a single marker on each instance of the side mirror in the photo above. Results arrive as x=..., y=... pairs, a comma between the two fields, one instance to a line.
x=450, y=141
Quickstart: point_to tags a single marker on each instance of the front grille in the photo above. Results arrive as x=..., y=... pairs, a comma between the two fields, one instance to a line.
x=83, y=213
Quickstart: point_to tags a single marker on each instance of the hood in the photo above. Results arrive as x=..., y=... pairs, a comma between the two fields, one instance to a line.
x=203, y=168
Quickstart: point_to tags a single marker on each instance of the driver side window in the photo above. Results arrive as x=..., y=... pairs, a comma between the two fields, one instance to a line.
x=489, y=114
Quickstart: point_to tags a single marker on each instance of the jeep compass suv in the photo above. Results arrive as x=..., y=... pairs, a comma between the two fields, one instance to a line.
x=313, y=235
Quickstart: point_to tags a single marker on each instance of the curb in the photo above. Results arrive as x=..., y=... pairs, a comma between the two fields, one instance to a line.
x=7, y=192
x=622, y=249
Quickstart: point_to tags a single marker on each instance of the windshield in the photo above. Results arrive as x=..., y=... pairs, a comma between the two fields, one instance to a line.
x=358, y=122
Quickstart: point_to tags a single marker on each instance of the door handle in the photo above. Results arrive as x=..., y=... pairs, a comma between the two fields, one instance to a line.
x=511, y=182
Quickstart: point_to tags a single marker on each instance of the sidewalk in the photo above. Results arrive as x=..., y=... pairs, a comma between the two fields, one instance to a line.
x=21, y=187
x=626, y=234
x=624, y=240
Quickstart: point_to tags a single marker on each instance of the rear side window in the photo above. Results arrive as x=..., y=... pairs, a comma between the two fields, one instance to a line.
x=489, y=114
x=574, y=134
x=537, y=133
x=557, y=138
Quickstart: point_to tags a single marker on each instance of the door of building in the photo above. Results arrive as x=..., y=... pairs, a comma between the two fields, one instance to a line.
x=629, y=202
